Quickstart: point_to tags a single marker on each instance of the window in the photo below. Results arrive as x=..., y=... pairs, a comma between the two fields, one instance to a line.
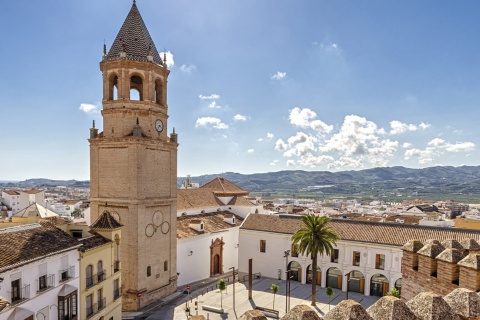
x=380, y=261
x=16, y=292
x=356, y=258
x=67, y=306
x=263, y=245
x=89, y=304
x=100, y=271
x=149, y=271
x=89, y=276
x=294, y=250
x=165, y=266
x=334, y=256
x=116, y=289
x=101, y=299
x=42, y=283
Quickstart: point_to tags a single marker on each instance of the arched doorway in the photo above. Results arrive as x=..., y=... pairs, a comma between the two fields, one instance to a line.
x=296, y=270
x=398, y=285
x=334, y=278
x=216, y=257
x=216, y=264
x=378, y=285
x=310, y=275
x=357, y=282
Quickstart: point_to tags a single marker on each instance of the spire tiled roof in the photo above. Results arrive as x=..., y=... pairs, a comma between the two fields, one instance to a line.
x=106, y=222
x=135, y=39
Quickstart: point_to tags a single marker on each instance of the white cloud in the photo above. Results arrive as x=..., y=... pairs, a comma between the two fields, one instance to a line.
x=312, y=161
x=319, y=125
x=169, y=57
x=280, y=145
x=211, y=122
x=301, y=117
x=279, y=75
x=437, y=142
x=250, y=150
x=460, y=147
x=406, y=145
x=331, y=47
x=274, y=162
x=213, y=96
x=89, y=108
x=435, y=148
x=424, y=125
x=290, y=163
x=270, y=135
x=260, y=139
x=239, y=117
x=399, y=127
x=213, y=105
x=346, y=162
x=188, y=68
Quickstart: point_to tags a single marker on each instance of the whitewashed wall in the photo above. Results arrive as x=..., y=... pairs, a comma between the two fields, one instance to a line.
x=48, y=298
x=193, y=255
x=273, y=260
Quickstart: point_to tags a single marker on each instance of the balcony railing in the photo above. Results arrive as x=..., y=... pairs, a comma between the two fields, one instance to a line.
x=91, y=310
x=67, y=274
x=92, y=280
x=45, y=282
x=117, y=293
x=18, y=295
x=102, y=303
x=116, y=266
x=101, y=276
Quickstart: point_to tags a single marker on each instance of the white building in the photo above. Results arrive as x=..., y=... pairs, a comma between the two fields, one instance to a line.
x=369, y=252
x=14, y=200
x=208, y=220
x=39, y=276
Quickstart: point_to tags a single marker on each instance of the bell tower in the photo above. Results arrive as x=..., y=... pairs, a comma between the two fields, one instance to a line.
x=133, y=163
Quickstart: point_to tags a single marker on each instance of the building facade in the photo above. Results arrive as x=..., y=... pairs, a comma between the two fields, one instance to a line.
x=133, y=163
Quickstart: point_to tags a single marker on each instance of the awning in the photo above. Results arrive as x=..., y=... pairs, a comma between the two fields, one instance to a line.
x=66, y=290
x=20, y=314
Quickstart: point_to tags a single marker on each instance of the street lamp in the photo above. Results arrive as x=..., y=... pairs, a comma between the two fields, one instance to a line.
x=348, y=281
x=286, y=254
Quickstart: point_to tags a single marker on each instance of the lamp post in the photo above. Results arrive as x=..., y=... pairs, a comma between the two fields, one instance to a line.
x=348, y=281
x=286, y=254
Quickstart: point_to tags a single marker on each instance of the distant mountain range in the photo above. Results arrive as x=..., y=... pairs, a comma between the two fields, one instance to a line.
x=389, y=182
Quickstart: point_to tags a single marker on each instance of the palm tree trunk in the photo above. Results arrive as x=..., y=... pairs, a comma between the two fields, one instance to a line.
x=314, y=279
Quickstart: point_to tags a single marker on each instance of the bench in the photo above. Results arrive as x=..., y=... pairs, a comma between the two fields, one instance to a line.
x=211, y=308
x=268, y=312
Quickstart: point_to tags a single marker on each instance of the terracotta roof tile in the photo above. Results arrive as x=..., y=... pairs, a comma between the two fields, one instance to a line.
x=94, y=241
x=135, y=38
x=106, y=222
x=372, y=232
x=223, y=186
x=21, y=244
x=213, y=222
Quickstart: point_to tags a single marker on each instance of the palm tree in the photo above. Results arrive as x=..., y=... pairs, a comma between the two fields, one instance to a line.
x=274, y=289
x=315, y=238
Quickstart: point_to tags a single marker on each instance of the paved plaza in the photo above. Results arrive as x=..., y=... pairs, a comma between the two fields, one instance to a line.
x=261, y=296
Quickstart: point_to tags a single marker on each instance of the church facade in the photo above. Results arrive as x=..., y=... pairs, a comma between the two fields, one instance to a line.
x=133, y=163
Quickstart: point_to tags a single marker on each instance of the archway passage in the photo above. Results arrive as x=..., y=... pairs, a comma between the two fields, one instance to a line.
x=296, y=270
x=357, y=282
x=310, y=275
x=378, y=285
x=398, y=286
x=216, y=257
x=334, y=278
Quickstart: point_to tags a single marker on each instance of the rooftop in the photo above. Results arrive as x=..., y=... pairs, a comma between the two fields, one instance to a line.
x=212, y=222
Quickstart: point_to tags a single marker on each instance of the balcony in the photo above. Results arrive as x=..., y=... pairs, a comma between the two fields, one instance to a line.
x=117, y=293
x=102, y=303
x=67, y=274
x=90, y=281
x=18, y=295
x=116, y=266
x=45, y=282
x=91, y=310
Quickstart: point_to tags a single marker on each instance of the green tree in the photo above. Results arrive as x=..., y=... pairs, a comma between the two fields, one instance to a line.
x=329, y=293
x=394, y=292
x=221, y=286
x=314, y=238
x=274, y=289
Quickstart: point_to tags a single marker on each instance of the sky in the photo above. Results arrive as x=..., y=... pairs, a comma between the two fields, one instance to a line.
x=255, y=86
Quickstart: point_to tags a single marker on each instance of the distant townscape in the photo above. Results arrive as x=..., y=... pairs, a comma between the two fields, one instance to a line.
x=138, y=242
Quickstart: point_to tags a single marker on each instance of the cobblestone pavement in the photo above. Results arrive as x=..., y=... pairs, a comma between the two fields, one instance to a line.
x=261, y=296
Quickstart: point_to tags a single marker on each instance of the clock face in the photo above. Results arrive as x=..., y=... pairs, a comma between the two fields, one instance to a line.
x=159, y=125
